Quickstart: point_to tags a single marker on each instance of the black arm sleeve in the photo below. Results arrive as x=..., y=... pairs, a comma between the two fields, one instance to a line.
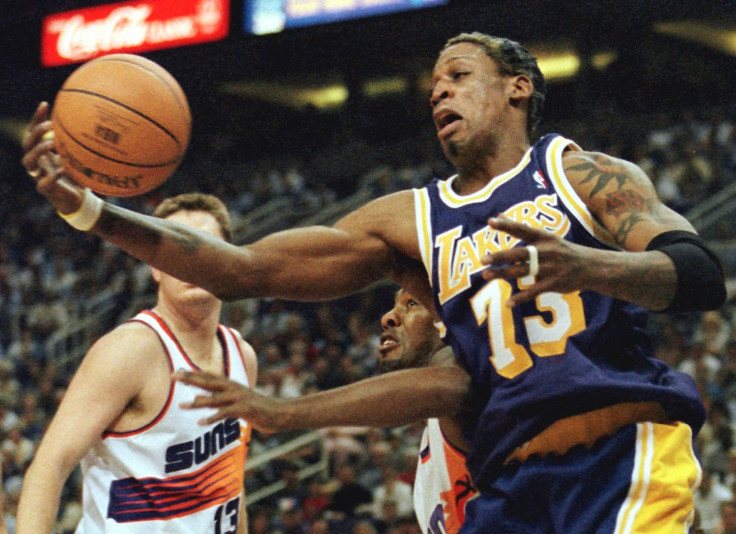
x=700, y=279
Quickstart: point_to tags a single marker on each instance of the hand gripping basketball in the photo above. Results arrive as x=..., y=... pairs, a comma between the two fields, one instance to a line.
x=122, y=125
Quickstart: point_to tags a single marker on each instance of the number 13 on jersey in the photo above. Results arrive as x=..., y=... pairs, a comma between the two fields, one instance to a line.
x=546, y=338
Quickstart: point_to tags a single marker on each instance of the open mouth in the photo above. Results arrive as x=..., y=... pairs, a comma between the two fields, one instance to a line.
x=387, y=342
x=447, y=119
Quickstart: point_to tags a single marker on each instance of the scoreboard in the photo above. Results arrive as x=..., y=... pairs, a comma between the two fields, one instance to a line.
x=272, y=16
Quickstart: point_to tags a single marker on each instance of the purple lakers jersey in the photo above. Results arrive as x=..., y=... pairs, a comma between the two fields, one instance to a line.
x=547, y=359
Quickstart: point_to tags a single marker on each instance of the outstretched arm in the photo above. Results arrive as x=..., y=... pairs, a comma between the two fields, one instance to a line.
x=624, y=203
x=394, y=399
x=314, y=263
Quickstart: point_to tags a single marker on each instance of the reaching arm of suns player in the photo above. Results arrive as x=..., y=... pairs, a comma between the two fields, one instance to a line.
x=394, y=399
x=624, y=202
x=313, y=263
x=109, y=377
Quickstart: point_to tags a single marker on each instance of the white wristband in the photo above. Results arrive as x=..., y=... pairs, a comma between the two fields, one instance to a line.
x=87, y=214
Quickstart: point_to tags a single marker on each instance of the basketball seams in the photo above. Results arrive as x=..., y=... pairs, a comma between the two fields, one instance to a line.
x=175, y=90
x=137, y=155
x=108, y=158
x=142, y=115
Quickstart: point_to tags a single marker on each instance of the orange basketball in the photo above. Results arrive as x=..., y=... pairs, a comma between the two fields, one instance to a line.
x=121, y=124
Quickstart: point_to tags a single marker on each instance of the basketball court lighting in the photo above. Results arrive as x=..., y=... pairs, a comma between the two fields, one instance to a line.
x=328, y=96
x=712, y=35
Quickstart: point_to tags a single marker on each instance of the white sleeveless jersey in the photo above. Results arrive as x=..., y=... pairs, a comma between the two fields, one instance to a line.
x=442, y=485
x=172, y=475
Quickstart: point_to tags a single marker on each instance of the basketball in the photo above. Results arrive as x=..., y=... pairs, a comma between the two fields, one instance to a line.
x=121, y=124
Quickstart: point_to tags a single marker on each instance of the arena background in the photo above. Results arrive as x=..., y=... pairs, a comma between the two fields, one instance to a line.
x=652, y=55
x=300, y=126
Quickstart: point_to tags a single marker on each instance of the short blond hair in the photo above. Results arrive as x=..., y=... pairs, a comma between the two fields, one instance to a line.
x=198, y=202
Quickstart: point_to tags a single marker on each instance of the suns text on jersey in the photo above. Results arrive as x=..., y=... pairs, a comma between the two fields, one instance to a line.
x=458, y=257
x=194, y=452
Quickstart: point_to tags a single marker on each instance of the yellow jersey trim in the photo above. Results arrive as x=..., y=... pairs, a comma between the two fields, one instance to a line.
x=567, y=193
x=454, y=200
x=424, y=228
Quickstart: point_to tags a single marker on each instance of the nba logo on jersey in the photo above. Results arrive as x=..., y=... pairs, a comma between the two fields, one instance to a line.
x=539, y=178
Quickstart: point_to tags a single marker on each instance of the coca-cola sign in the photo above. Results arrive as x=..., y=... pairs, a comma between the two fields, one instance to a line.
x=131, y=27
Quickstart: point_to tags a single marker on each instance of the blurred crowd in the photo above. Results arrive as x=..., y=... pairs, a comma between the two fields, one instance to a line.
x=52, y=277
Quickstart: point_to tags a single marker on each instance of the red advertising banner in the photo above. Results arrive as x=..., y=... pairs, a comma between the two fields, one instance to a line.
x=131, y=27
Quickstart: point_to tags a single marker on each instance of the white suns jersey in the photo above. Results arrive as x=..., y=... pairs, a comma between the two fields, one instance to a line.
x=442, y=485
x=172, y=475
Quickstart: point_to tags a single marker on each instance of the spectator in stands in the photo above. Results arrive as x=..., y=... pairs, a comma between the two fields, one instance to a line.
x=297, y=377
x=9, y=386
x=293, y=490
x=319, y=526
x=708, y=499
x=272, y=358
x=717, y=440
x=393, y=490
x=8, y=418
x=46, y=315
x=32, y=417
x=19, y=447
x=25, y=347
x=350, y=499
x=714, y=331
x=343, y=445
x=728, y=518
x=729, y=480
x=371, y=474
x=364, y=527
x=260, y=522
x=290, y=518
x=243, y=316
x=327, y=373
x=315, y=502
x=700, y=362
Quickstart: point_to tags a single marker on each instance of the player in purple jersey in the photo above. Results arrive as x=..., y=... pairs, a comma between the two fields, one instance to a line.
x=528, y=298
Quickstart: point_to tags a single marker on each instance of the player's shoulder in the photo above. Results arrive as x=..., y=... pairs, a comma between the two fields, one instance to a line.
x=380, y=215
x=250, y=360
x=574, y=158
x=245, y=347
x=127, y=355
x=130, y=339
x=597, y=169
x=390, y=202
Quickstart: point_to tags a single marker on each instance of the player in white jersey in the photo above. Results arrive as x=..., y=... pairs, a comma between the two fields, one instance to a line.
x=148, y=465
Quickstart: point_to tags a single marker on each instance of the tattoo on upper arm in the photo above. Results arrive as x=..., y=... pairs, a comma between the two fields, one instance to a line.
x=628, y=203
x=601, y=171
x=627, y=224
